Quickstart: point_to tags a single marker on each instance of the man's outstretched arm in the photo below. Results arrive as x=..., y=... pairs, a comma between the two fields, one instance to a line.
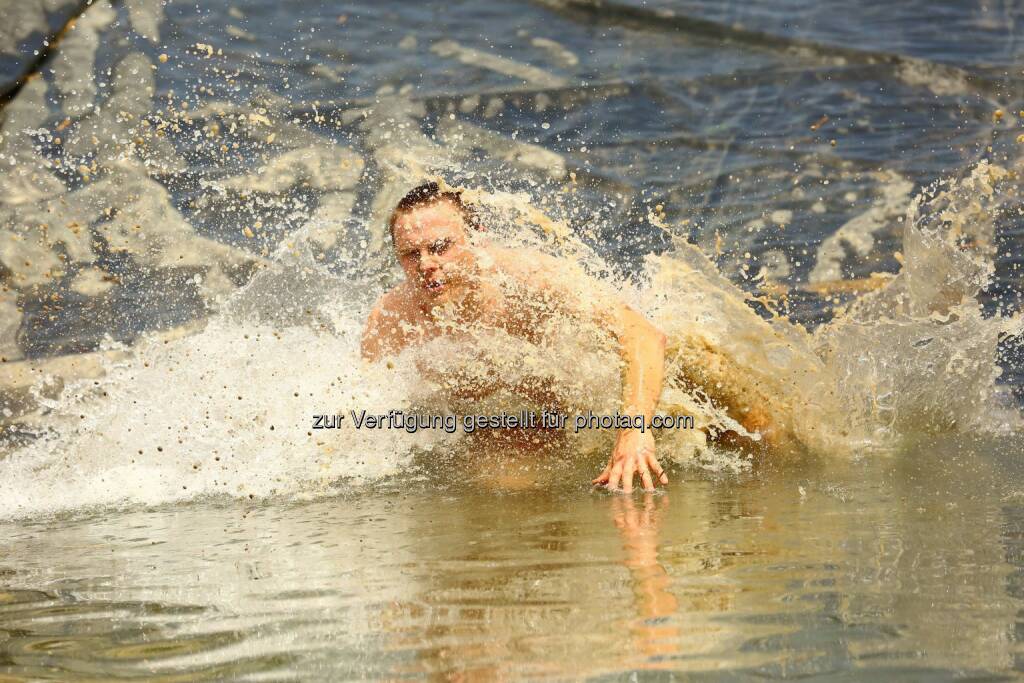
x=642, y=347
x=566, y=287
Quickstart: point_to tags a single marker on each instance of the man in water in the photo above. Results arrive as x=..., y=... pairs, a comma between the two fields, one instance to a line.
x=456, y=280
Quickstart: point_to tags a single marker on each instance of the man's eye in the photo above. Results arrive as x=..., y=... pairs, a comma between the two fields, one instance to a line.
x=440, y=247
x=411, y=254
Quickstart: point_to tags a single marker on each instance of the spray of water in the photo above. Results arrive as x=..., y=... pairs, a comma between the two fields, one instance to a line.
x=137, y=190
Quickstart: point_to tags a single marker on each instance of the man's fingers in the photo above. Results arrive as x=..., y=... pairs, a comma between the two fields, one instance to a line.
x=627, y=477
x=645, y=476
x=659, y=471
x=620, y=472
x=616, y=476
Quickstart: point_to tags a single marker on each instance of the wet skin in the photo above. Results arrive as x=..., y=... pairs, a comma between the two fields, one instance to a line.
x=455, y=281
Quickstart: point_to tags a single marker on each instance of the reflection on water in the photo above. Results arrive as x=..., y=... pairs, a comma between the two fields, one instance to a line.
x=896, y=567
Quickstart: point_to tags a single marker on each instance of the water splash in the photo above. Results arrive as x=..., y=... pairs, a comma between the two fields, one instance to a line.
x=131, y=185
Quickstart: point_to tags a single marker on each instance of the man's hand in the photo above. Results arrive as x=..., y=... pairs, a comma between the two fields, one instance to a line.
x=633, y=454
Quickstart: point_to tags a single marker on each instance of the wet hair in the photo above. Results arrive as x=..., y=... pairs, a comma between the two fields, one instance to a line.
x=431, y=193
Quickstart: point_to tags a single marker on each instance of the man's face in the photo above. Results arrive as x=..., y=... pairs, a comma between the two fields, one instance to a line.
x=433, y=248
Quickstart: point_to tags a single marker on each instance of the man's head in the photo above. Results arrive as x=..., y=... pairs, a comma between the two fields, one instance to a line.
x=430, y=232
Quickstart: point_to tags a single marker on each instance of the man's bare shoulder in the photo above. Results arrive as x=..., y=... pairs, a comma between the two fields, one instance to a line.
x=537, y=269
x=395, y=304
x=557, y=282
x=384, y=327
x=525, y=263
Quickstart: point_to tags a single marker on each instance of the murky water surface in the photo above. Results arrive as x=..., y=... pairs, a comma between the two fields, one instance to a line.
x=786, y=139
x=907, y=568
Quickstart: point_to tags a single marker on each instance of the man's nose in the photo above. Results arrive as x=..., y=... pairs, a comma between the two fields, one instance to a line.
x=428, y=262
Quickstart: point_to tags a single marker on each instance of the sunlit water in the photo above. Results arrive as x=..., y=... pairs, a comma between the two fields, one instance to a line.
x=177, y=519
x=906, y=568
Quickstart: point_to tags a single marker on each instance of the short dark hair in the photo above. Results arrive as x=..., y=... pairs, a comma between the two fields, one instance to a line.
x=431, y=193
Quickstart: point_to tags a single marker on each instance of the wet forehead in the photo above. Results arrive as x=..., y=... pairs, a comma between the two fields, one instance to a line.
x=428, y=224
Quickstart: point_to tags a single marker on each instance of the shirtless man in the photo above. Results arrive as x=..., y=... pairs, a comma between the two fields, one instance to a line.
x=452, y=276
